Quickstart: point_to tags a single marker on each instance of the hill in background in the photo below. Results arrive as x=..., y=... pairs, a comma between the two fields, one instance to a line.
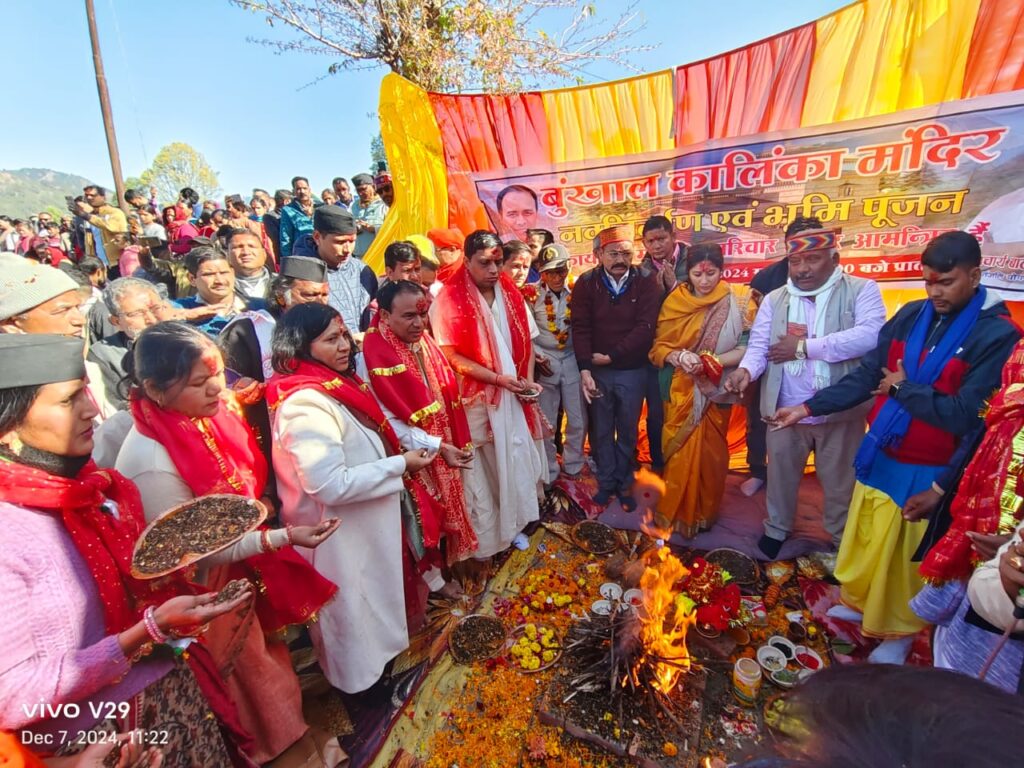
x=28, y=191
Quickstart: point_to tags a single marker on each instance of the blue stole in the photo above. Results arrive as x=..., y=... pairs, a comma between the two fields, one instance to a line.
x=893, y=421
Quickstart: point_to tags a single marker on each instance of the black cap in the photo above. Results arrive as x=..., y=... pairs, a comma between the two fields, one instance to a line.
x=333, y=220
x=31, y=359
x=304, y=268
x=361, y=178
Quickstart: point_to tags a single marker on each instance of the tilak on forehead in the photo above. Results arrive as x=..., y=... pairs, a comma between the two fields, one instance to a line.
x=818, y=240
x=422, y=305
x=211, y=359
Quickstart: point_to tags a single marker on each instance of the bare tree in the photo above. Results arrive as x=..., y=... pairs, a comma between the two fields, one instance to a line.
x=455, y=45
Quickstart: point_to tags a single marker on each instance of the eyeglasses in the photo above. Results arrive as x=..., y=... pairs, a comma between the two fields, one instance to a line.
x=151, y=310
x=619, y=254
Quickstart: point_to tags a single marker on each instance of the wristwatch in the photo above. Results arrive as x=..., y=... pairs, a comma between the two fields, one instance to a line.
x=801, y=350
x=894, y=389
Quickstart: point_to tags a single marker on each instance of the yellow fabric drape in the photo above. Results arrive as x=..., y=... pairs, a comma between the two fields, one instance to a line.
x=416, y=161
x=625, y=117
x=881, y=56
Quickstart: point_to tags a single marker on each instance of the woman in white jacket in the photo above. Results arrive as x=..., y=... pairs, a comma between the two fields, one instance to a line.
x=336, y=456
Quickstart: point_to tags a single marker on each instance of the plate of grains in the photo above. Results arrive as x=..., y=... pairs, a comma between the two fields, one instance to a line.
x=594, y=537
x=191, y=531
x=477, y=637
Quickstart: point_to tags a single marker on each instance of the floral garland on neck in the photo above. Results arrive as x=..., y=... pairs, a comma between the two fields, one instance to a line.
x=561, y=336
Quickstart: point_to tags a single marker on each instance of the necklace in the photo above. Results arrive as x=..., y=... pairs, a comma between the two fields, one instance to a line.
x=561, y=336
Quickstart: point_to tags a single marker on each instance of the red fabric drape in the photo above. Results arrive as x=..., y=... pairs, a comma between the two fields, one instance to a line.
x=750, y=90
x=482, y=133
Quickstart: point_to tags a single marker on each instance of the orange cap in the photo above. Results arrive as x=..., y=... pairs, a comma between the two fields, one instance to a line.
x=623, y=233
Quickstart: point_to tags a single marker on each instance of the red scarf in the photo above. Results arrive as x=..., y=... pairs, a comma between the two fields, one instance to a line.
x=106, y=543
x=219, y=454
x=461, y=319
x=445, y=272
x=354, y=395
x=976, y=506
x=435, y=406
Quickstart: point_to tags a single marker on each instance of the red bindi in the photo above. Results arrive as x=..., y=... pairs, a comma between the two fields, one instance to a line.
x=422, y=305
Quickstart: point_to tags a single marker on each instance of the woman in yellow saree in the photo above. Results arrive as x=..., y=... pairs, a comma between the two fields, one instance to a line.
x=701, y=331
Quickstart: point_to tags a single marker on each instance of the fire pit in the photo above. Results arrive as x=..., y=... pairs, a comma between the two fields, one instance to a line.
x=626, y=683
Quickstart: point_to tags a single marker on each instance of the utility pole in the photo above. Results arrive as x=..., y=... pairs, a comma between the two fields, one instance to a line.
x=108, y=118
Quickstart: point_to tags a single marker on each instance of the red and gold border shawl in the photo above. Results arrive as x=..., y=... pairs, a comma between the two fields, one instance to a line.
x=434, y=406
x=990, y=499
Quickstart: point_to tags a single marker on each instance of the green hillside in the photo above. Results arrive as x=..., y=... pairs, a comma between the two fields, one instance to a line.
x=30, y=190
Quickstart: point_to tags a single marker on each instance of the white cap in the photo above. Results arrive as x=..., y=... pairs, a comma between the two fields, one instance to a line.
x=27, y=285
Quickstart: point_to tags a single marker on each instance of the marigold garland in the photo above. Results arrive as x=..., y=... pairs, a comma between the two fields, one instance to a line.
x=561, y=336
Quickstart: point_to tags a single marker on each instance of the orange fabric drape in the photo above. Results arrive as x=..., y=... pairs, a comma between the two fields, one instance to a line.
x=750, y=90
x=483, y=133
x=996, y=60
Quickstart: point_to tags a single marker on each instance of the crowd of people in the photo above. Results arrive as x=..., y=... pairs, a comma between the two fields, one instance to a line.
x=150, y=359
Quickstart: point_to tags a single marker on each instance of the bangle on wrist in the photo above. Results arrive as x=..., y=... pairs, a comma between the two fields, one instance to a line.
x=152, y=628
x=288, y=531
x=265, y=544
x=937, y=489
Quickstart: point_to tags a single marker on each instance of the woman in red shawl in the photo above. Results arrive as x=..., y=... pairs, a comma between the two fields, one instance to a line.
x=78, y=628
x=336, y=457
x=188, y=440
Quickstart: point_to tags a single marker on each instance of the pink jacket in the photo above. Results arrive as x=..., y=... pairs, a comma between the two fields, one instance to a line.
x=53, y=644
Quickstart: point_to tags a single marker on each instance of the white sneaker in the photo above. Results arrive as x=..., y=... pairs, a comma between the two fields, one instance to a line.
x=521, y=541
x=840, y=611
x=893, y=651
x=751, y=485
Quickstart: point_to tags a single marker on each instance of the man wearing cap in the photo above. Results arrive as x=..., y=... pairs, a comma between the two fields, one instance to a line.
x=482, y=324
x=272, y=220
x=428, y=262
x=368, y=210
x=296, y=217
x=37, y=299
x=352, y=283
x=559, y=373
x=246, y=342
x=807, y=335
x=384, y=188
x=614, y=313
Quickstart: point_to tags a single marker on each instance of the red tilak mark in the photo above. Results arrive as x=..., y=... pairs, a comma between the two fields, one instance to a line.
x=211, y=357
x=422, y=305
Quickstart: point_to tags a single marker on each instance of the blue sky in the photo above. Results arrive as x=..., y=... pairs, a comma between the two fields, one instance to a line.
x=184, y=71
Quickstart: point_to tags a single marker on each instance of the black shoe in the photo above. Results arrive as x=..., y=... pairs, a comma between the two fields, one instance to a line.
x=770, y=546
x=602, y=497
x=627, y=502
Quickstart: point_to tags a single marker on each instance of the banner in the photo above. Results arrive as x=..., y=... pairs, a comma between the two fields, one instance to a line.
x=888, y=184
